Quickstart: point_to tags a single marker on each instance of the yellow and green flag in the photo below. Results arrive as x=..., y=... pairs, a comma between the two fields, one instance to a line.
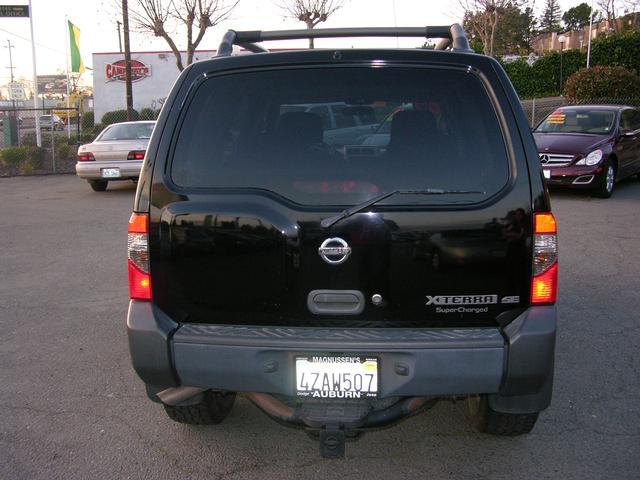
x=77, y=65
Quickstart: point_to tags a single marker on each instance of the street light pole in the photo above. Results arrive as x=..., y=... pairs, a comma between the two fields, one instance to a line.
x=589, y=41
x=561, y=39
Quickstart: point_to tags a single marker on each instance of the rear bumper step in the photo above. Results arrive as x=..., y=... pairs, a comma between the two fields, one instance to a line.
x=517, y=360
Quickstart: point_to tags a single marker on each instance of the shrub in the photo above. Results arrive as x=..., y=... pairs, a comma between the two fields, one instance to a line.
x=621, y=49
x=543, y=77
x=13, y=156
x=34, y=159
x=97, y=129
x=118, y=116
x=148, y=114
x=87, y=120
x=62, y=150
x=600, y=83
x=87, y=137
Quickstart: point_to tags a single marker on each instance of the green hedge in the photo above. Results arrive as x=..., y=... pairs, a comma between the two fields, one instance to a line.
x=602, y=83
x=87, y=121
x=542, y=78
x=25, y=159
x=622, y=50
x=117, y=116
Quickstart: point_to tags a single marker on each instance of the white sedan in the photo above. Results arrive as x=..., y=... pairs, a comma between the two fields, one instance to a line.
x=116, y=154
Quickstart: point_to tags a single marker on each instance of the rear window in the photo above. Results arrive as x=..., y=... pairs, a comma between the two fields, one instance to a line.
x=339, y=136
x=132, y=131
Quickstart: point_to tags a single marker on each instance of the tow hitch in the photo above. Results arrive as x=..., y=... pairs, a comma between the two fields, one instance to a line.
x=332, y=440
x=334, y=423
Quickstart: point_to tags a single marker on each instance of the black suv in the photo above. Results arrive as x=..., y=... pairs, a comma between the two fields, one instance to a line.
x=268, y=261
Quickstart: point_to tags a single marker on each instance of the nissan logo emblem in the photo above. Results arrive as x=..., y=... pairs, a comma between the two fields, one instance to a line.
x=334, y=251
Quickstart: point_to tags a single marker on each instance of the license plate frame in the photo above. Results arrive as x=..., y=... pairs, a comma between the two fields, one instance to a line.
x=355, y=376
x=112, y=172
x=547, y=173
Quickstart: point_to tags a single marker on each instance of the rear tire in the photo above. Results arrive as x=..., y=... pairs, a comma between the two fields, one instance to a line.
x=607, y=181
x=486, y=420
x=214, y=407
x=99, y=185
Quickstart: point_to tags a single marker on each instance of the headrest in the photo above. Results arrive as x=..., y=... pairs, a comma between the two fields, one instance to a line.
x=300, y=129
x=412, y=127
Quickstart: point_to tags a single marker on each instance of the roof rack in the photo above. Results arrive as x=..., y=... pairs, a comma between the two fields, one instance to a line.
x=452, y=36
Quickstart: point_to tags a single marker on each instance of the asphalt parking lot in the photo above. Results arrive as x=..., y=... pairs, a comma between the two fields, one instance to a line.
x=72, y=406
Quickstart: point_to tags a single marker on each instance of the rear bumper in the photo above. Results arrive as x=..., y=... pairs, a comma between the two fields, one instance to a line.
x=513, y=362
x=93, y=170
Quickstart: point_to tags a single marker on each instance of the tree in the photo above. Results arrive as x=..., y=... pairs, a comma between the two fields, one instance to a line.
x=612, y=8
x=159, y=17
x=550, y=19
x=512, y=33
x=516, y=31
x=577, y=17
x=312, y=12
x=482, y=18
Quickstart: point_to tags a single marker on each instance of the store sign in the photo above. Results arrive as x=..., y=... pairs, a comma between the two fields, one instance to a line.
x=116, y=71
x=14, y=11
x=52, y=84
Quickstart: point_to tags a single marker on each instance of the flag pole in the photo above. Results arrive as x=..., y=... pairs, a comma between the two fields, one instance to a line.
x=66, y=27
x=35, y=79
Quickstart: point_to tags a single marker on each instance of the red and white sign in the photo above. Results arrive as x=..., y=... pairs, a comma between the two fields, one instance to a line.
x=116, y=71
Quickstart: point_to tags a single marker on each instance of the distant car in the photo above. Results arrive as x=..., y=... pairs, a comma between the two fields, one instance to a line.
x=2, y=121
x=590, y=146
x=116, y=154
x=48, y=122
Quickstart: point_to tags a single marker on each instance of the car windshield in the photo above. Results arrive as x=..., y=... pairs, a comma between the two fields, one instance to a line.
x=45, y=117
x=127, y=131
x=313, y=136
x=578, y=120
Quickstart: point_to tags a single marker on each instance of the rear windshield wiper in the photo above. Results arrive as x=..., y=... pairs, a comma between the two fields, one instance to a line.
x=329, y=221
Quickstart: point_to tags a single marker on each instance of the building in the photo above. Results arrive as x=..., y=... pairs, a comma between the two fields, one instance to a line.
x=579, y=39
x=153, y=75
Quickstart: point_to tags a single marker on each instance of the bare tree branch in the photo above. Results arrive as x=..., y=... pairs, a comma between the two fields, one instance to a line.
x=311, y=12
x=195, y=16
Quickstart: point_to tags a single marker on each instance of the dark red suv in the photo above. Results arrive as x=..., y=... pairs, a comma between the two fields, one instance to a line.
x=590, y=146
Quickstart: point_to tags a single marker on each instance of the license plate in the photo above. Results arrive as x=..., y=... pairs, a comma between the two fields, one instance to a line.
x=547, y=173
x=336, y=376
x=110, y=172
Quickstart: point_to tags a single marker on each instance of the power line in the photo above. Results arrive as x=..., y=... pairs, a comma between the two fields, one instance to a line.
x=29, y=41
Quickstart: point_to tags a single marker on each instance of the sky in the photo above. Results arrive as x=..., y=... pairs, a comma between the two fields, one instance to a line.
x=97, y=22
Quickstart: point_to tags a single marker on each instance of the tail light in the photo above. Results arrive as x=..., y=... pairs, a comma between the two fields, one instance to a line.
x=544, y=284
x=138, y=257
x=86, y=157
x=135, y=155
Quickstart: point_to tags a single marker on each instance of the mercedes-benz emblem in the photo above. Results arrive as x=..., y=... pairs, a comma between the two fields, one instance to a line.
x=544, y=159
x=334, y=251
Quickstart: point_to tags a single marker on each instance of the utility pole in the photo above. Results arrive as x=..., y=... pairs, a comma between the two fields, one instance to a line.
x=118, y=22
x=127, y=58
x=35, y=78
x=9, y=46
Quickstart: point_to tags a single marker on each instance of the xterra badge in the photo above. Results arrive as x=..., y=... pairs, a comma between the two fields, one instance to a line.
x=462, y=299
x=462, y=303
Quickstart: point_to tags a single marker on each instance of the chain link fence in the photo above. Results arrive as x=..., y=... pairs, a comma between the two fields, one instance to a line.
x=537, y=109
x=62, y=130
x=59, y=136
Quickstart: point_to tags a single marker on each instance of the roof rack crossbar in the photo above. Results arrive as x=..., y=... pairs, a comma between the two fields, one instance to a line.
x=453, y=36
